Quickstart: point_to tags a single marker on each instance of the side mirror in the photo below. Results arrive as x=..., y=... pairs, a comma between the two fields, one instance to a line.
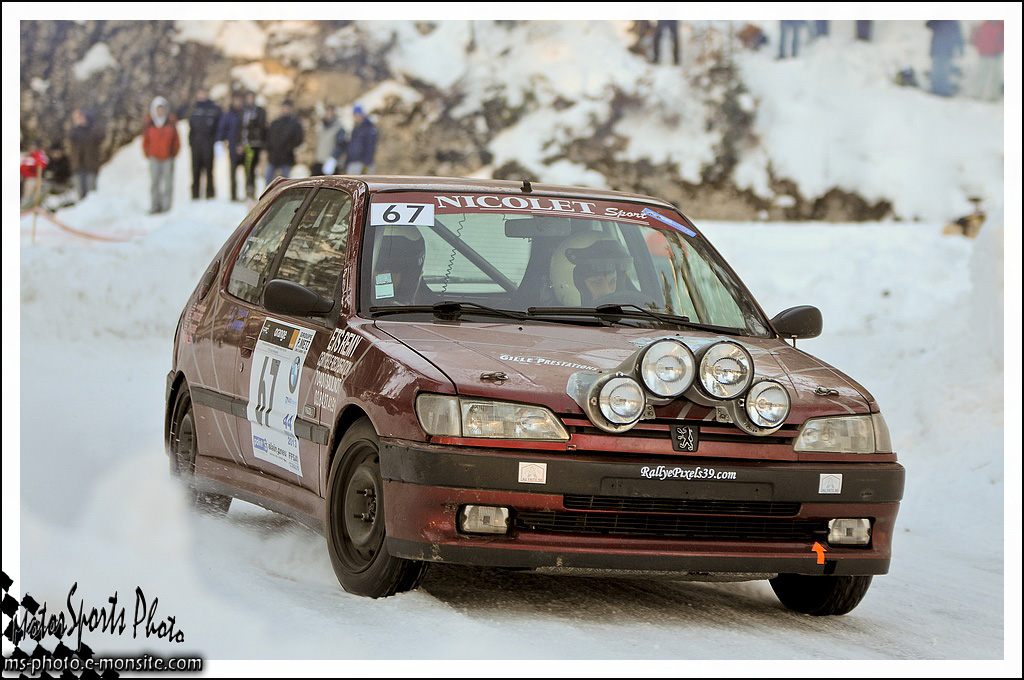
x=292, y=299
x=798, y=322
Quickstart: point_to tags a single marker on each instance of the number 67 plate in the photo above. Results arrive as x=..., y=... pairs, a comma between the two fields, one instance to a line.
x=394, y=214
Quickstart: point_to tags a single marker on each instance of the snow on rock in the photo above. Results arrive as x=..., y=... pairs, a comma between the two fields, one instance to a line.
x=254, y=77
x=98, y=58
x=200, y=31
x=243, y=39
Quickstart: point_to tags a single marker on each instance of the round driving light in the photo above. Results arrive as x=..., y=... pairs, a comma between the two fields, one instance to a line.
x=668, y=368
x=726, y=370
x=767, y=404
x=621, y=400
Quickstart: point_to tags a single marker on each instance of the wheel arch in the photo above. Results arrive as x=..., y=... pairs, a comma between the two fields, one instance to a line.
x=172, y=399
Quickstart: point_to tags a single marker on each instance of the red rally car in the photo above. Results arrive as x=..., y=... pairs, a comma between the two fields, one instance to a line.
x=529, y=376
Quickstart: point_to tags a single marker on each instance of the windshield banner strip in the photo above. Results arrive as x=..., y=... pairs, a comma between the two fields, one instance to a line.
x=672, y=223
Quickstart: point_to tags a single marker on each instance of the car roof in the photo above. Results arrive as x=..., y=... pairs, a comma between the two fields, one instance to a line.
x=378, y=183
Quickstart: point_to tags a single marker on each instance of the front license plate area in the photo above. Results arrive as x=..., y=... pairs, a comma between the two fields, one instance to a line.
x=685, y=438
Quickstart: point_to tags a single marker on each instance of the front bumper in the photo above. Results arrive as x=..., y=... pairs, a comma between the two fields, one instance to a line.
x=694, y=515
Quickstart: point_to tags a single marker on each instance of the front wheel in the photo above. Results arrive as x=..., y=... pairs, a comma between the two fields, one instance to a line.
x=184, y=447
x=355, y=521
x=820, y=595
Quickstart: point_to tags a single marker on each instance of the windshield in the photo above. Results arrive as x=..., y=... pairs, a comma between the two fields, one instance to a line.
x=518, y=253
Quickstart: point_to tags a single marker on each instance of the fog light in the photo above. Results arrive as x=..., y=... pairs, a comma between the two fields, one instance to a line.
x=483, y=519
x=849, y=531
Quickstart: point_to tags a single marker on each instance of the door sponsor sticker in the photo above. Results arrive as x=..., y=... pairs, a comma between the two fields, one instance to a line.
x=830, y=483
x=274, y=384
x=401, y=214
x=533, y=473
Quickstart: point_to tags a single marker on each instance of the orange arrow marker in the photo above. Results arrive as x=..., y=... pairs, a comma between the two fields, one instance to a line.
x=820, y=549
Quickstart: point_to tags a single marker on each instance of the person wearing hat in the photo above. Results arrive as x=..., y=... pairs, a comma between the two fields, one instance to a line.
x=284, y=136
x=362, y=145
x=398, y=269
x=587, y=267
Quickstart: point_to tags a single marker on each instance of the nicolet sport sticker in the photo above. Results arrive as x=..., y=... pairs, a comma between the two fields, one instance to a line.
x=388, y=214
x=274, y=384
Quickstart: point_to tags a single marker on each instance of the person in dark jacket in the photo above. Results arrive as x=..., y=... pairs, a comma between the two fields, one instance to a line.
x=362, y=146
x=85, y=137
x=947, y=43
x=229, y=131
x=58, y=172
x=202, y=133
x=254, y=136
x=284, y=136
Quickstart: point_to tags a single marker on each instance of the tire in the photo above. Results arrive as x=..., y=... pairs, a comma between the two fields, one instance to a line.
x=355, y=521
x=820, y=595
x=183, y=446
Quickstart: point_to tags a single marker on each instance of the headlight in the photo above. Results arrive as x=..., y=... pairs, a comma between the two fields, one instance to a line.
x=767, y=404
x=667, y=368
x=844, y=434
x=621, y=401
x=726, y=370
x=470, y=417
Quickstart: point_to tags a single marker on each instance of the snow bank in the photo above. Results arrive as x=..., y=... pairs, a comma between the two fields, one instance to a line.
x=98, y=58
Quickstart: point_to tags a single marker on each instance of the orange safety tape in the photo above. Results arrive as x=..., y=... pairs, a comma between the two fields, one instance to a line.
x=128, y=236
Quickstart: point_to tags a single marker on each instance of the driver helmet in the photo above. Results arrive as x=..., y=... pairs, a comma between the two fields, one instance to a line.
x=585, y=255
x=401, y=253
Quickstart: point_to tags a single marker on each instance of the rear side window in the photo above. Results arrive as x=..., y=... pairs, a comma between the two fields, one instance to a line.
x=252, y=266
x=315, y=256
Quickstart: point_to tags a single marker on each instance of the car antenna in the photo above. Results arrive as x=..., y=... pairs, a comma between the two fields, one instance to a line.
x=527, y=189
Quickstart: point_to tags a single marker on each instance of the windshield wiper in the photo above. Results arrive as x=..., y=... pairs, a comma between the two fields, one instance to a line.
x=447, y=309
x=634, y=311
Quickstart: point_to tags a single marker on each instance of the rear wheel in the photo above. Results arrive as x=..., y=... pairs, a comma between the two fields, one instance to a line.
x=184, y=447
x=820, y=595
x=355, y=521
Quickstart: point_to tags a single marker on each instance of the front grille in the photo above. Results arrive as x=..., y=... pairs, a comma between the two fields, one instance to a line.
x=679, y=505
x=710, y=431
x=664, y=526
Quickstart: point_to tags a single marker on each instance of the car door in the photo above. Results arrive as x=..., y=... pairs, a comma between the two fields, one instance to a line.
x=278, y=356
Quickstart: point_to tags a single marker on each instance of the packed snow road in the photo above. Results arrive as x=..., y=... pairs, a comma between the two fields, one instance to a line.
x=902, y=306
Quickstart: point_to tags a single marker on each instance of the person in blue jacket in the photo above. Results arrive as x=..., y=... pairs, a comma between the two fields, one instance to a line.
x=947, y=43
x=229, y=131
x=362, y=145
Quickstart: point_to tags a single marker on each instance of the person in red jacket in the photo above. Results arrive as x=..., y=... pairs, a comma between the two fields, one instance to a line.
x=988, y=39
x=32, y=166
x=160, y=144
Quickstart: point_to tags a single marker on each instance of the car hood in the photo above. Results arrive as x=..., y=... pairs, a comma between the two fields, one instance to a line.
x=539, y=358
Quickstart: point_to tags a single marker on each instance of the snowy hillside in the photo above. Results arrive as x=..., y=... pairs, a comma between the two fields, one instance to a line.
x=831, y=120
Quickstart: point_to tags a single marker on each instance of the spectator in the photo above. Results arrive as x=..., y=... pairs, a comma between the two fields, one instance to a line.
x=864, y=30
x=363, y=144
x=330, y=143
x=229, y=131
x=86, y=137
x=284, y=136
x=202, y=133
x=752, y=37
x=819, y=28
x=947, y=43
x=988, y=38
x=160, y=144
x=254, y=136
x=58, y=172
x=31, y=171
x=789, y=31
x=671, y=27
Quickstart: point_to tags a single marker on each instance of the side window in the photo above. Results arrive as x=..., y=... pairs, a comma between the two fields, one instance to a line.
x=252, y=266
x=315, y=256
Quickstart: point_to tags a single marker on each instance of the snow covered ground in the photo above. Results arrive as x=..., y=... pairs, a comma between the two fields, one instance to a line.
x=914, y=315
